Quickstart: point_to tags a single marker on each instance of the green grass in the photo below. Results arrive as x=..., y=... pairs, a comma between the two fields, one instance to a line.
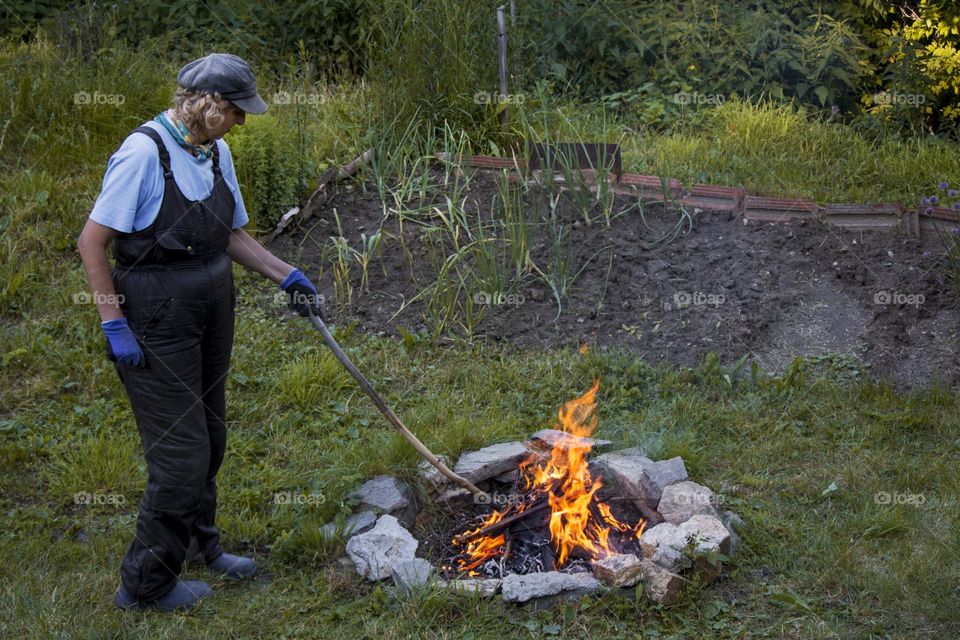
x=816, y=561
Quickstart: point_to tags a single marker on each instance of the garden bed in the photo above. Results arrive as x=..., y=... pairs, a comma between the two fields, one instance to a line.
x=669, y=284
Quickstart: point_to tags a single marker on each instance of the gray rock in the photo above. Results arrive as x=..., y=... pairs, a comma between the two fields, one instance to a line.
x=639, y=477
x=618, y=570
x=708, y=533
x=734, y=524
x=473, y=586
x=659, y=585
x=683, y=500
x=376, y=552
x=664, y=545
x=386, y=495
x=521, y=588
x=491, y=461
x=431, y=477
x=411, y=574
x=355, y=523
x=547, y=439
x=509, y=477
x=709, y=537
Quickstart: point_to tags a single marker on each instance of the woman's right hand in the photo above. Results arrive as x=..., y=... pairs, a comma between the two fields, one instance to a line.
x=122, y=345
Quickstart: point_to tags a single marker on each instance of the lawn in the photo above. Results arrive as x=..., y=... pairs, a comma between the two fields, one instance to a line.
x=806, y=460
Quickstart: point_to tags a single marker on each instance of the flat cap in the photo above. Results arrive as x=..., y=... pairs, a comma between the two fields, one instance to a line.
x=228, y=75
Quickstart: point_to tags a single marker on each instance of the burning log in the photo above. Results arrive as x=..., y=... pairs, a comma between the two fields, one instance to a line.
x=540, y=505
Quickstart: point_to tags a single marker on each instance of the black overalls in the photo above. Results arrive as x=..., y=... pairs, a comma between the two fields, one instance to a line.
x=177, y=286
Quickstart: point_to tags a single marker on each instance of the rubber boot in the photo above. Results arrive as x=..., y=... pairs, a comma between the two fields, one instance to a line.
x=233, y=567
x=183, y=597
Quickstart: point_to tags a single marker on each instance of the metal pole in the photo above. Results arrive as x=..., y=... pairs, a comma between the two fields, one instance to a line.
x=502, y=31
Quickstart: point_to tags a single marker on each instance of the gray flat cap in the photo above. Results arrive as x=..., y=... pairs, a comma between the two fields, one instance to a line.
x=227, y=74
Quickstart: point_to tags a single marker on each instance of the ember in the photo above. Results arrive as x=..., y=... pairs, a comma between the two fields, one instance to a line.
x=553, y=515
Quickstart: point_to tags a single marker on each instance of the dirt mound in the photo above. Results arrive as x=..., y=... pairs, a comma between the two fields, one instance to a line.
x=769, y=291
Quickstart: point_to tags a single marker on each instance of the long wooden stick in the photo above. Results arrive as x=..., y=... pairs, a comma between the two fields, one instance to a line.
x=388, y=413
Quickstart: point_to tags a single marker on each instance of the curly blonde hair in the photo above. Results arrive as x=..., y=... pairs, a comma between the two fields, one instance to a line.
x=200, y=111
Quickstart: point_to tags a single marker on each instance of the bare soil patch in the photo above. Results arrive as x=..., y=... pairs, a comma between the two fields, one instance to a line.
x=769, y=291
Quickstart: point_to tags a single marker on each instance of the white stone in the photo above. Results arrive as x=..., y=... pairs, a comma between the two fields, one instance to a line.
x=683, y=500
x=618, y=570
x=659, y=585
x=521, y=588
x=489, y=462
x=376, y=552
x=386, y=495
x=637, y=476
x=710, y=537
x=664, y=545
x=708, y=533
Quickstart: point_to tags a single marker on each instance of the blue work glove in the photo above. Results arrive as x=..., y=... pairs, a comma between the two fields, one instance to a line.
x=302, y=295
x=122, y=345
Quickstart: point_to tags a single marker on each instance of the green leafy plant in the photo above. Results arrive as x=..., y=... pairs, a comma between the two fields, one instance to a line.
x=369, y=248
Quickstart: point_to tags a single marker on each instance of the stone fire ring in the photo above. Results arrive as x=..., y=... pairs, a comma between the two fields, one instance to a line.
x=690, y=544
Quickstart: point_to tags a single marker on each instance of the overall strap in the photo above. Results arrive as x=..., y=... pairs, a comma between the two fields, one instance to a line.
x=216, y=158
x=162, y=148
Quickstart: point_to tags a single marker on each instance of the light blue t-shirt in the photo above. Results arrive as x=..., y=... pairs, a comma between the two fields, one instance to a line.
x=133, y=184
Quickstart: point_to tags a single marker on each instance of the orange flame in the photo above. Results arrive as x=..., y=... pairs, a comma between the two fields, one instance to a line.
x=578, y=521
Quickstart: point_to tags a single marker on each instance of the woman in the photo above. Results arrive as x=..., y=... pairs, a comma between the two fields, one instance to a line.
x=172, y=208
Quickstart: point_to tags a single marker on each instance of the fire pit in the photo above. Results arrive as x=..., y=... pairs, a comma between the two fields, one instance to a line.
x=552, y=518
x=556, y=522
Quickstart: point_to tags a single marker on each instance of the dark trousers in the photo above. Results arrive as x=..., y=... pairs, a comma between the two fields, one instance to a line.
x=183, y=317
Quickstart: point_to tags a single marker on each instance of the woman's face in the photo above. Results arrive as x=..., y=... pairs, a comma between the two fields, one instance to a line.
x=233, y=116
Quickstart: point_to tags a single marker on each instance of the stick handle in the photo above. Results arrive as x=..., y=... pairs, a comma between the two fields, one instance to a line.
x=387, y=412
